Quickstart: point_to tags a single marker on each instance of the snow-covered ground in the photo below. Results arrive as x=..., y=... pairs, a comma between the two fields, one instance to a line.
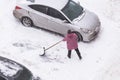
x=101, y=58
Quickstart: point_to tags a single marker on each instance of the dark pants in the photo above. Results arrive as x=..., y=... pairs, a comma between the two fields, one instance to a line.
x=77, y=51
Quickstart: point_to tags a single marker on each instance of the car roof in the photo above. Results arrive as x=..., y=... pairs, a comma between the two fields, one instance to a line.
x=57, y=4
x=9, y=67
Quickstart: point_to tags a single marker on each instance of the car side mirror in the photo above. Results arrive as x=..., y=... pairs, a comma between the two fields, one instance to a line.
x=65, y=21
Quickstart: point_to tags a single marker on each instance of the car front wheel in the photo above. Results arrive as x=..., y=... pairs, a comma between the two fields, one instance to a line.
x=26, y=21
x=80, y=38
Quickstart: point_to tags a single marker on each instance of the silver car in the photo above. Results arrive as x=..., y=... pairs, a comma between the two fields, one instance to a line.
x=59, y=16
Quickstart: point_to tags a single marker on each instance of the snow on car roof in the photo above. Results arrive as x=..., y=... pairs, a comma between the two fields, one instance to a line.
x=57, y=4
x=9, y=69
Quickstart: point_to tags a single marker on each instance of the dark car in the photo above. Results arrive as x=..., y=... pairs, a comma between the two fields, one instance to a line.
x=11, y=70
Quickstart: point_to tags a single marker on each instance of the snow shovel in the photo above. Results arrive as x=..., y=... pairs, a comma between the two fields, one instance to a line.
x=50, y=47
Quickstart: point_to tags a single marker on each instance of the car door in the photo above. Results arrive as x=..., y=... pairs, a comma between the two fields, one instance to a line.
x=57, y=22
x=38, y=15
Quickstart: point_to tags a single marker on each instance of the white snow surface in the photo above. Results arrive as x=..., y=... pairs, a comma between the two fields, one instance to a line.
x=101, y=58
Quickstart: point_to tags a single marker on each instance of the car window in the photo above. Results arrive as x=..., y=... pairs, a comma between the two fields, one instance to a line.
x=39, y=8
x=56, y=14
x=2, y=78
x=72, y=10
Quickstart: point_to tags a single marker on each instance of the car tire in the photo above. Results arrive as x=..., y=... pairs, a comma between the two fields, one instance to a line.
x=80, y=38
x=26, y=21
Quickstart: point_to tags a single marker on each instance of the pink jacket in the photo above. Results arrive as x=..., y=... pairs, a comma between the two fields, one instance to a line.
x=71, y=41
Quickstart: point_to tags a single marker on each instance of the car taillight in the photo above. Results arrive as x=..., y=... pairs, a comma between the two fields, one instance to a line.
x=17, y=7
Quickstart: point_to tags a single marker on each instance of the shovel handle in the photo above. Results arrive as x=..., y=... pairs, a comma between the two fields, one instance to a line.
x=53, y=45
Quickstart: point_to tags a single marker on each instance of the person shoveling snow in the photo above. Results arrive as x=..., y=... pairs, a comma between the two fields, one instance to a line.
x=72, y=43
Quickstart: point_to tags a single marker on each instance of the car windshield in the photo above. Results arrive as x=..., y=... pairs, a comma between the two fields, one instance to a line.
x=24, y=74
x=72, y=10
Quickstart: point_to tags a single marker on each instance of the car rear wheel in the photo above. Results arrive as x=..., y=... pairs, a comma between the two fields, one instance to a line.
x=80, y=38
x=26, y=21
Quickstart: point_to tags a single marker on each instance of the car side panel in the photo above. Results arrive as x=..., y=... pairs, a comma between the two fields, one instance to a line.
x=58, y=25
x=39, y=19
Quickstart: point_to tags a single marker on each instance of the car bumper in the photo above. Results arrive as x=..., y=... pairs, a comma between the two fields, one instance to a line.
x=91, y=36
x=17, y=14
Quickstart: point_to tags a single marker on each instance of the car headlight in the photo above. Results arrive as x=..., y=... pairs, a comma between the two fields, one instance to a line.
x=86, y=30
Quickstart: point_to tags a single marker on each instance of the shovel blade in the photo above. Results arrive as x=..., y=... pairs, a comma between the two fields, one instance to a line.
x=43, y=52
